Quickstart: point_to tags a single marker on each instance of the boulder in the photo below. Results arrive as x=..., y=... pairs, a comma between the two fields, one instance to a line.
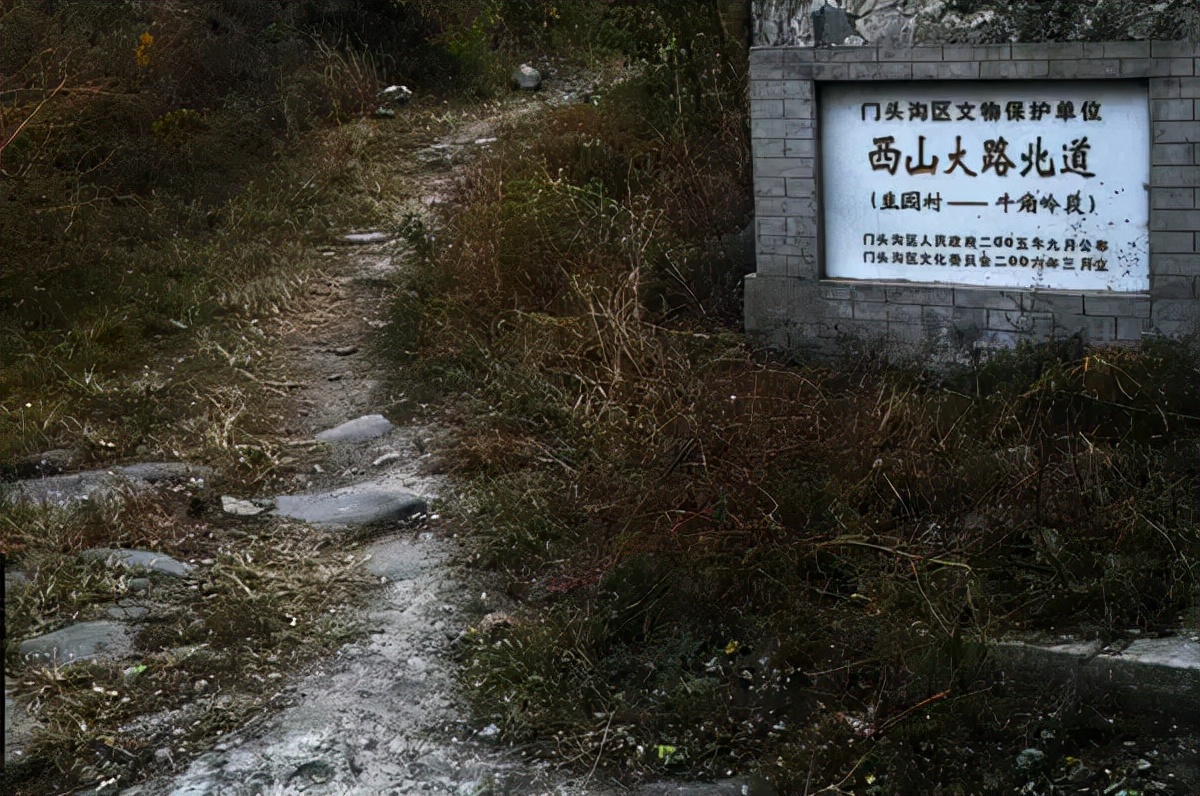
x=526, y=78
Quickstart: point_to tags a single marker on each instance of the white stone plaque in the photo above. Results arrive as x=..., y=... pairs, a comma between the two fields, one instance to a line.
x=1017, y=184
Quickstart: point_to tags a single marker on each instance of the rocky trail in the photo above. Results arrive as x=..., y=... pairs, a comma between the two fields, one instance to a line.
x=381, y=715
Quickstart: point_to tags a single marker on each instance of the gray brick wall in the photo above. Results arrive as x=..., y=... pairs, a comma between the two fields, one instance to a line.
x=789, y=303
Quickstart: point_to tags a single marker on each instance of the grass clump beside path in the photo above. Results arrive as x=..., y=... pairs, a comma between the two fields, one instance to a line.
x=168, y=173
x=722, y=562
x=211, y=652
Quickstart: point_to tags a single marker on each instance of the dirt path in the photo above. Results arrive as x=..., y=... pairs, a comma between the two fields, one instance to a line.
x=380, y=717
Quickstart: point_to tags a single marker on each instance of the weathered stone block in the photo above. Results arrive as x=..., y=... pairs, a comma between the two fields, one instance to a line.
x=1174, y=49
x=798, y=128
x=1171, y=110
x=770, y=226
x=845, y=54
x=770, y=148
x=1099, y=329
x=787, y=244
x=970, y=318
x=769, y=186
x=1175, y=176
x=881, y=71
x=1126, y=49
x=952, y=70
x=1172, y=154
x=1174, y=132
x=801, y=187
x=852, y=291
x=773, y=206
x=802, y=225
x=827, y=71
x=1167, y=87
x=800, y=148
x=804, y=266
x=1132, y=329
x=1175, y=264
x=920, y=295
x=799, y=109
x=1058, y=303
x=1010, y=70
x=1144, y=67
x=1181, y=220
x=780, y=89
x=771, y=264
x=1017, y=321
x=911, y=54
x=1176, y=310
x=765, y=56
x=768, y=128
x=798, y=70
x=784, y=167
x=966, y=52
x=1170, y=286
x=1080, y=70
x=1126, y=306
x=987, y=299
x=1065, y=50
x=766, y=109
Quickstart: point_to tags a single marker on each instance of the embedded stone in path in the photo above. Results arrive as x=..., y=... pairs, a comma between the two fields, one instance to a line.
x=367, y=237
x=355, y=505
x=62, y=490
x=243, y=508
x=357, y=430
x=78, y=642
x=139, y=559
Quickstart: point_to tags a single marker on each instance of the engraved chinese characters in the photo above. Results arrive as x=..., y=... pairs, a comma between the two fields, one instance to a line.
x=1045, y=179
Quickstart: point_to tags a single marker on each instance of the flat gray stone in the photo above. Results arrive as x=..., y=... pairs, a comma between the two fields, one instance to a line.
x=79, y=642
x=63, y=490
x=357, y=430
x=351, y=506
x=243, y=508
x=367, y=237
x=153, y=472
x=1151, y=676
x=139, y=559
x=124, y=610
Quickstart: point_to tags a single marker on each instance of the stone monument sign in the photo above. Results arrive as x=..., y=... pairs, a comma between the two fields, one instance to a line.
x=959, y=196
x=990, y=183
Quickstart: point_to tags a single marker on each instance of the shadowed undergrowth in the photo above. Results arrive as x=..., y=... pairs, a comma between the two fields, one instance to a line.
x=719, y=561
